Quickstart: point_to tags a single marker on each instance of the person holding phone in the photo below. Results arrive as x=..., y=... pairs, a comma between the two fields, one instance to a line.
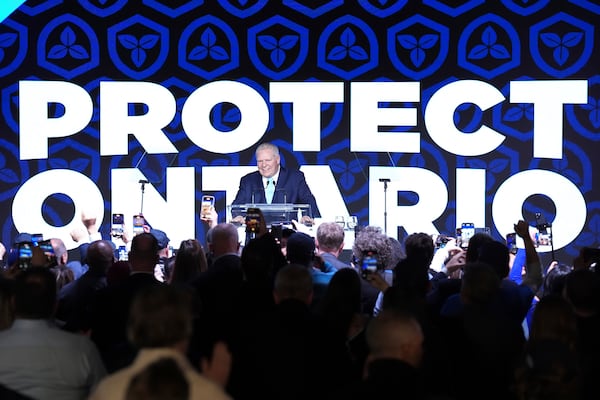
x=273, y=183
x=208, y=213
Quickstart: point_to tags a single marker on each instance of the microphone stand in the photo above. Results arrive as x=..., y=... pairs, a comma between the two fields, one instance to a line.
x=551, y=236
x=143, y=183
x=385, y=185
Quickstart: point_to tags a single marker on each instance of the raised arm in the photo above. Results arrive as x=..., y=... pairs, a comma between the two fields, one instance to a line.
x=533, y=266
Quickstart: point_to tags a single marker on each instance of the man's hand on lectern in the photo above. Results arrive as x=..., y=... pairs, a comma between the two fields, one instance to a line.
x=307, y=221
x=238, y=220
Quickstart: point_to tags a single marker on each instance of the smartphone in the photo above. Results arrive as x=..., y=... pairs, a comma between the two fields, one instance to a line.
x=467, y=231
x=138, y=224
x=540, y=223
x=123, y=256
x=208, y=202
x=511, y=242
x=36, y=238
x=253, y=220
x=440, y=241
x=544, y=238
x=25, y=253
x=118, y=220
x=370, y=263
x=46, y=247
x=277, y=232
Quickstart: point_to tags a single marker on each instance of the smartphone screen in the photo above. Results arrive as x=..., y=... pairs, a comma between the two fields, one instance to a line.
x=36, y=238
x=117, y=225
x=369, y=263
x=208, y=202
x=466, y=233
x=511, y=242
x=123, y=256
x=253, y=220
x=544, y=234
x=544, y=238
x=25, y=254
x=138, y=224
x=46, y=246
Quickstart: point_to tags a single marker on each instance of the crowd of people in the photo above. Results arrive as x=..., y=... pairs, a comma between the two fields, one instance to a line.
x=289, y=319
x=285, y=316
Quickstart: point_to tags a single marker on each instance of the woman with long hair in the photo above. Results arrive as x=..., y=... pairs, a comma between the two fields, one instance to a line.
x=190, y=261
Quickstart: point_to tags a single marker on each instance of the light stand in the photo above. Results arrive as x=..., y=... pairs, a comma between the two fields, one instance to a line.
x=385, y=185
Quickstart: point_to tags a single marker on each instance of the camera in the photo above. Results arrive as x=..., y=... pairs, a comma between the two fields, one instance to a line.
x=369, y=264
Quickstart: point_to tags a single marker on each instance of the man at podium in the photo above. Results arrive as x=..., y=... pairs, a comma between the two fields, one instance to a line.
x=274, y=184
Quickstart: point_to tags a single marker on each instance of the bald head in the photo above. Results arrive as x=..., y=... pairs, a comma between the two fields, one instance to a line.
x=224, y=239
x=397, y=336
x=100, y=255
x=144, y=252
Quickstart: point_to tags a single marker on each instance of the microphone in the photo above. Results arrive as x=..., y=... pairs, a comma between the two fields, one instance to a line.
x=255, y=191
x=384, y=180
x=284, y=194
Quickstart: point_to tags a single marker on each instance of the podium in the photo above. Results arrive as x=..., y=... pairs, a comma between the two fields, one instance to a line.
x=275, y=213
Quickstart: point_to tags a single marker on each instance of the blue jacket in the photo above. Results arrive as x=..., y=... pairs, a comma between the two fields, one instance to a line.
x=291, y=188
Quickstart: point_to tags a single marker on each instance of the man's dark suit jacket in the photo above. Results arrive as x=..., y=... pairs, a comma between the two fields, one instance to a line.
x=290, y=188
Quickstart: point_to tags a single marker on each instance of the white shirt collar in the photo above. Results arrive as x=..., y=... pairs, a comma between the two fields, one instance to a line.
x=274, y=177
